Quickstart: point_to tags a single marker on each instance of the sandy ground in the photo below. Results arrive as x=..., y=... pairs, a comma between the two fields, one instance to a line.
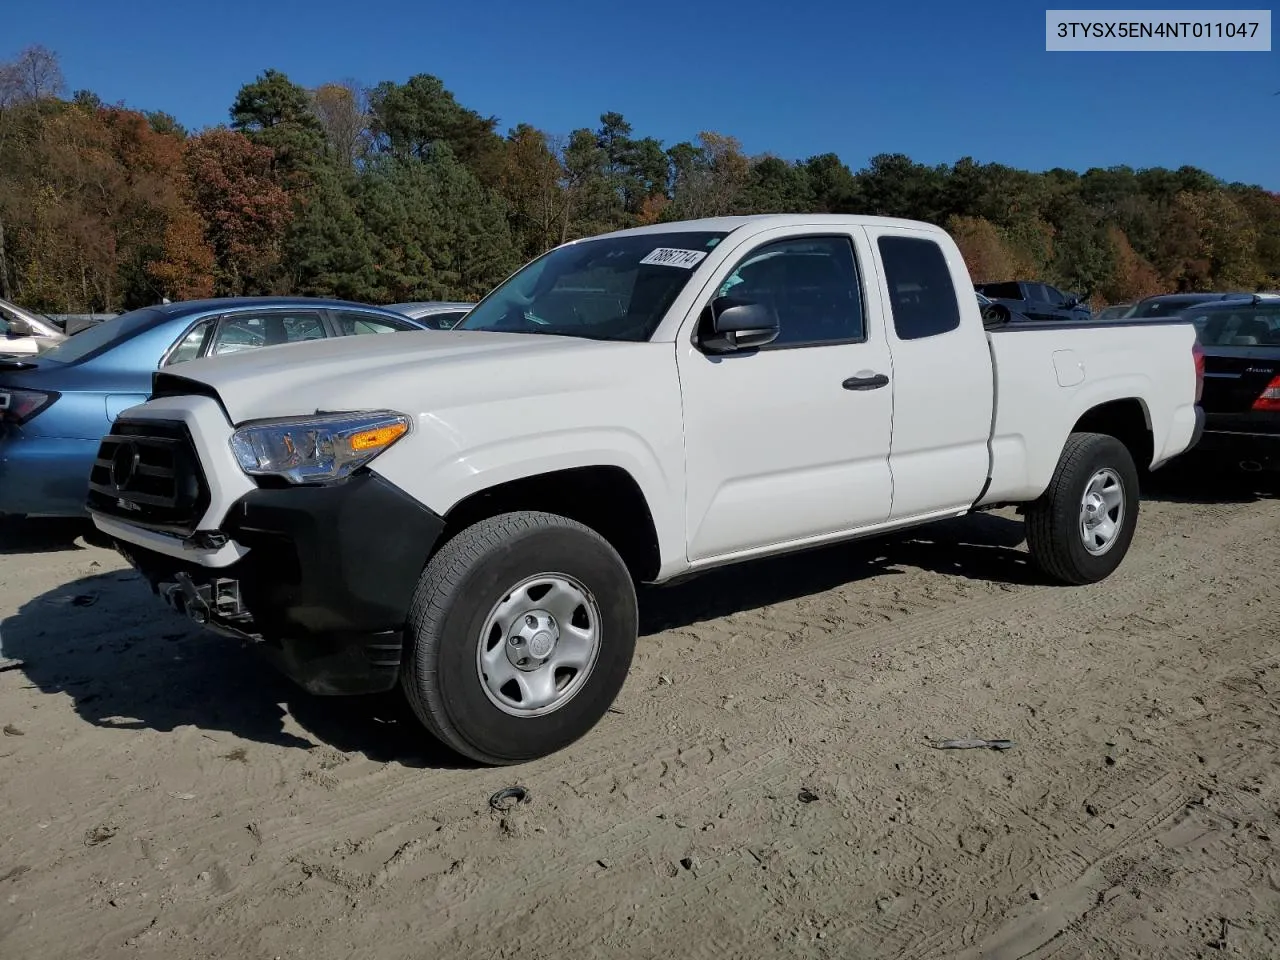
x=163, y=794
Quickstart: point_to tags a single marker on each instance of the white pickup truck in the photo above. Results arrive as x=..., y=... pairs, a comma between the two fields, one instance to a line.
x=466, y=513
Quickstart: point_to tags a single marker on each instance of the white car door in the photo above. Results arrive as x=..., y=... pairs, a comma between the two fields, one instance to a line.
x=943, y=390
x=788, y=443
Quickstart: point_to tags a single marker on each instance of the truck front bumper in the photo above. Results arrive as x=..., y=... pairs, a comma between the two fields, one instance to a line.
x=323, y=585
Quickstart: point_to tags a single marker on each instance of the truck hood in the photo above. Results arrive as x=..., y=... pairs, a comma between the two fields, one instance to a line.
x=414, y=372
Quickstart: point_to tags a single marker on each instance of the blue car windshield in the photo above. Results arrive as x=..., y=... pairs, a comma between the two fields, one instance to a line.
x=102, y=336
x=613, y=288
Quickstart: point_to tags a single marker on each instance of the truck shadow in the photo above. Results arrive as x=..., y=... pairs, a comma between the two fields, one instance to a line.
x=128, y=663
x=977, y=547
x=1205, y=481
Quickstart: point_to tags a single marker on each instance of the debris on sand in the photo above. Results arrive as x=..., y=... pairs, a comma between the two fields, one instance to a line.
x=507, y=798
x=99, y=834
x=973, y=743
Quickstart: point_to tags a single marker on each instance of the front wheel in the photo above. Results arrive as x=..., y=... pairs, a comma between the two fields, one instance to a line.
x=1081, y=527
x=520, y=636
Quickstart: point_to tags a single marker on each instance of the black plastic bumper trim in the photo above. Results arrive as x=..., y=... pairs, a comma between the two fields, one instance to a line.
x=328, y=579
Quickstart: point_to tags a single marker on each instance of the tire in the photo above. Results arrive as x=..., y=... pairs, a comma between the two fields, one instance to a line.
x=1058, y=534
x=487, y=582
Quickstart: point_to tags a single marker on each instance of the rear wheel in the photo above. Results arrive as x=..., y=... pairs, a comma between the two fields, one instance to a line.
x=1080, y=529
x=520, y=636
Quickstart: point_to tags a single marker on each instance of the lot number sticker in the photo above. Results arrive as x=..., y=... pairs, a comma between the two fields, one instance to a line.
x=671, y=257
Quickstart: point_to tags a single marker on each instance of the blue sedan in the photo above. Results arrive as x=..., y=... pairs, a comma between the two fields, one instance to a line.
x=56, y=407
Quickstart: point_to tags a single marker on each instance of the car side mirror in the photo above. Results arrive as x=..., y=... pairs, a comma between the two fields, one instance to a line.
x=20, y=328
x=996, y=315
x=739, y=325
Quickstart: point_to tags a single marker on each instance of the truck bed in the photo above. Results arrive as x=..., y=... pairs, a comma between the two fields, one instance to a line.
x=1091, y=361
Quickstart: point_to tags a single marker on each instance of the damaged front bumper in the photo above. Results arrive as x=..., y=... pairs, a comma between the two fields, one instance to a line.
x=323, y=585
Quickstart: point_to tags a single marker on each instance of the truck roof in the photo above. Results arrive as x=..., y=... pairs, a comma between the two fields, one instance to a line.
x=764, y=220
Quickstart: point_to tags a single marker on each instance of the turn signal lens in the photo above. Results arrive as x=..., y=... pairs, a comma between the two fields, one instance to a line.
x=379, y=436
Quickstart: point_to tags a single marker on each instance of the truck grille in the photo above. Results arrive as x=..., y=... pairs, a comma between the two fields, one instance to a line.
x=147, y=472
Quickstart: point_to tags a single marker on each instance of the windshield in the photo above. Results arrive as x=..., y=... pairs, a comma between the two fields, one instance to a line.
x=102, y=336
x=614, y=288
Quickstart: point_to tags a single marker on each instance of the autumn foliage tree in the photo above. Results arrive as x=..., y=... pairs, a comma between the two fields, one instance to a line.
x=1132, y=275
x=988, y=255
x=236, y=192
x=399, y=191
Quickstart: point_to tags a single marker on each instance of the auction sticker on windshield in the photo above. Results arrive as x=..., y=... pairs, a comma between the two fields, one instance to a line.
x=673, y=257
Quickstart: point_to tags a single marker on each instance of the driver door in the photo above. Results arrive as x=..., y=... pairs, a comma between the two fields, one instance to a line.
x=789, y=443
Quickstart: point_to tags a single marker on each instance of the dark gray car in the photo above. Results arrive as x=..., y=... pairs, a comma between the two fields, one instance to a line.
x=1036, y=301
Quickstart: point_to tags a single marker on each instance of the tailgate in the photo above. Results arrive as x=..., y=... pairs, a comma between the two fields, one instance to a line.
x=1234, y=379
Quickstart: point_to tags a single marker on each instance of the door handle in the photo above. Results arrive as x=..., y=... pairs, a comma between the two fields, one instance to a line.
x=866, y=383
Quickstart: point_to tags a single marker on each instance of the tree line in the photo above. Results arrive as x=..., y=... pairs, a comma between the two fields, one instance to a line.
x=399, y=192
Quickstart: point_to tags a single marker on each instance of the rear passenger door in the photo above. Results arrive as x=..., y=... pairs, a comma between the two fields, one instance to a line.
x=788, y=443
x=943, y=392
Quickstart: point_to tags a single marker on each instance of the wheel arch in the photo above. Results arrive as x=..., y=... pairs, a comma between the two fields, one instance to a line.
x=604, y=497
x=1128, y=420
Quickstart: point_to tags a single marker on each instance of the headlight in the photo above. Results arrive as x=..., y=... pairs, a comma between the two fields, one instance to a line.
x=315, y=449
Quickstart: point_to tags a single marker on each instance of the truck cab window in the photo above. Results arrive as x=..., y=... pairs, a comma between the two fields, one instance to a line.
x=810, y=283
x=922, y=296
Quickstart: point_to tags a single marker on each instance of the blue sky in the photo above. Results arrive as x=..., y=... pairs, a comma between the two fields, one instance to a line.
x=935, y=81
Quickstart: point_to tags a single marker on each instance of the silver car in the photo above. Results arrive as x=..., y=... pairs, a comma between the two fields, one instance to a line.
x=434, y=314
x=25, y=333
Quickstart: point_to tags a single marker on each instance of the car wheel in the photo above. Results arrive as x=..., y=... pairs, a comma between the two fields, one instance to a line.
x=1080, y=529
x=519, y=638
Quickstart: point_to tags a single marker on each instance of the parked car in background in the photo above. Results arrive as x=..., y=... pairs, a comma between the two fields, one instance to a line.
x=1036, y=301
x=55, y=407
x=635, y=407
x=1240, y=341
x=1171, y=304
x=25, y=333
x=1117, y=311
x=73, y=323
x=434, y=314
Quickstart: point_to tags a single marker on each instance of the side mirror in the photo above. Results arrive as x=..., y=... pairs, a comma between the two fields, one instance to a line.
x=20, y=328
x=739, y=325
x=996, y=315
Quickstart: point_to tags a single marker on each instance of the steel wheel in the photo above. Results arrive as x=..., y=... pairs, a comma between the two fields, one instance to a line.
x=539, y=645
x=1102, y=511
